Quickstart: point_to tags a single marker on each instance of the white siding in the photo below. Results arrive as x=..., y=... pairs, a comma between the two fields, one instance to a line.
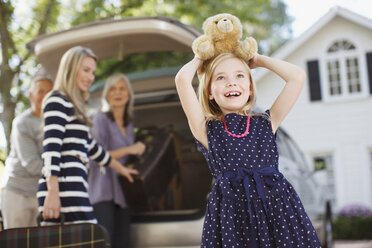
x=342, y=128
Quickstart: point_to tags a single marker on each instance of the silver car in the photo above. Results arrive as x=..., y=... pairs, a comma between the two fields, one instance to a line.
x=168, y=200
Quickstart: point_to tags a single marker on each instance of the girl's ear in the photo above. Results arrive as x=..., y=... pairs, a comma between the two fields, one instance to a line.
x=211, y=97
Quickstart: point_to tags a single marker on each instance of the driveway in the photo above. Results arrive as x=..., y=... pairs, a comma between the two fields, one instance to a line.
x=353, y=244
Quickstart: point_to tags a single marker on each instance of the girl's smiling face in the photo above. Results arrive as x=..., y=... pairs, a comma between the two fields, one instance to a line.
x=86, y=73
x=230, y=85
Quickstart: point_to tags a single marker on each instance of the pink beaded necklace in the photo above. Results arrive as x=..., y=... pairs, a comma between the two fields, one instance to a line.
x=238, y=135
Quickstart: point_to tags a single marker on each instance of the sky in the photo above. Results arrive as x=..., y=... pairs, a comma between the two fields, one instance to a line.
x=305, y=14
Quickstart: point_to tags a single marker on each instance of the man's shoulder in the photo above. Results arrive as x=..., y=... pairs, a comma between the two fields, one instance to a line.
x=23, y=118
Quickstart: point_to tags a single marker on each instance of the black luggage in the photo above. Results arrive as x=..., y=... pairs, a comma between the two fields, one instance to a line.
x=159, y=169
x=82, y=235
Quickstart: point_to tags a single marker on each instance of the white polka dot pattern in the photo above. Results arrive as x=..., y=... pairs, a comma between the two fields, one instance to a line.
x=247, y=208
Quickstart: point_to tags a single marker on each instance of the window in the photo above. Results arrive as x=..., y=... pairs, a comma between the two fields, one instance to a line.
x=340, y=45
x=325, y=165
x=343, y=70
x=353, y=75
x=334, y=77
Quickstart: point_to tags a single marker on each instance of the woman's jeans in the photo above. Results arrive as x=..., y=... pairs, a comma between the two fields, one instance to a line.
x=116, y=220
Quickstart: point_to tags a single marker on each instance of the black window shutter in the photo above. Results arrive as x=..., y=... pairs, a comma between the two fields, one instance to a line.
x=314, y=80
x=369, y=70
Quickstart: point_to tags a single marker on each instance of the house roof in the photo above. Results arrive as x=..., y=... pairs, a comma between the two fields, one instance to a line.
x=293, y=45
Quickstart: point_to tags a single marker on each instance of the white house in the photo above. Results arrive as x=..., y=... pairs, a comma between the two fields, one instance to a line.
x=332, y=120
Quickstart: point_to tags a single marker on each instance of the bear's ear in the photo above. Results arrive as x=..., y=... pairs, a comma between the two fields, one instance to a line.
x=207, y=22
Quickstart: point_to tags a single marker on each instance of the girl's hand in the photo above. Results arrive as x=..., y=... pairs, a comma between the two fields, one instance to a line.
x=138, y=148
x=52, y=205
x=253, y=62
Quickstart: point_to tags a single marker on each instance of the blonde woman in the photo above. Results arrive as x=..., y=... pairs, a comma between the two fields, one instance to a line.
x=113, y=129
x=68, y=145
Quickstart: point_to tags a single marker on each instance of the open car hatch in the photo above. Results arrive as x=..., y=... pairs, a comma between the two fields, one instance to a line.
x=115, y=38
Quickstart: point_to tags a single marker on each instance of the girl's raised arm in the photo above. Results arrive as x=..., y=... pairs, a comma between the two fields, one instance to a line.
x=294, y=77
x=189, y=100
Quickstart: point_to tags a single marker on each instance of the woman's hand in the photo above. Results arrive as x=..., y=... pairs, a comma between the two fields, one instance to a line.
x=52, y=202
x=122, y=170
x=138, y=148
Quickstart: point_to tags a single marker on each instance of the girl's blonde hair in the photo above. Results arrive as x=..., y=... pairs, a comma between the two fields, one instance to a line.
x=210, y=107
x=106, y=108
x=66, y=79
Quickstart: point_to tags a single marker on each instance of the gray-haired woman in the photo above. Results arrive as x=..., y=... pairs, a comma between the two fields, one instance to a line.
x=113, y=130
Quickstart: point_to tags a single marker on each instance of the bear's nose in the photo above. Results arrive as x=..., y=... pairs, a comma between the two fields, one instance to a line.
x=224, y=19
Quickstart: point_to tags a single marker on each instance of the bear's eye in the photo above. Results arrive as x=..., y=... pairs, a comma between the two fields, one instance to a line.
x=216, y=22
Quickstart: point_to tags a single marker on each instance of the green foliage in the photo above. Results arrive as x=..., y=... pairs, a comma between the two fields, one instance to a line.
x=352, y=228
x=43, y=8
x=319, y=164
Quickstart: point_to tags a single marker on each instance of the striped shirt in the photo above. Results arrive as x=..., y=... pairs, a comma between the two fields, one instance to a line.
x=67, y=149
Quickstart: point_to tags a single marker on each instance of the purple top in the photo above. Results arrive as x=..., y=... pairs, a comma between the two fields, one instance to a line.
x=106, y=186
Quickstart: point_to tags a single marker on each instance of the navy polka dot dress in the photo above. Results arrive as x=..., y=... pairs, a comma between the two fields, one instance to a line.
x=251, y=204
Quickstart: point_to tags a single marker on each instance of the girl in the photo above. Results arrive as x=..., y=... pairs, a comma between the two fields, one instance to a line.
x=68, y=145
x=113, y=129
x=251, y=203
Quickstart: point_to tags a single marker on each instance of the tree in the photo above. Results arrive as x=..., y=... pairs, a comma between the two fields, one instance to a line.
x=266, y=20
x=13, y=54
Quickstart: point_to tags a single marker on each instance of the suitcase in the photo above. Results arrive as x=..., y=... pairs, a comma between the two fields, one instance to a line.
x=82, y=235
x=159, y=172
x=1, y=221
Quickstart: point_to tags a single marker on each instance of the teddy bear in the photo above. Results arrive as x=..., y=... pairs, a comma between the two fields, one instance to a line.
x=222, y=33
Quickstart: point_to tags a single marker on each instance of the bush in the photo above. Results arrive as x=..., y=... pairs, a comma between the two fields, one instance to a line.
x=355, y=211
x=353, y=222
x=352, y=228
